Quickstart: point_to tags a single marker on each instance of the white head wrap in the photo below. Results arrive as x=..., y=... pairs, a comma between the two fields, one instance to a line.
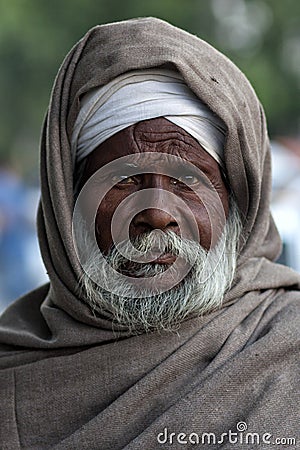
x=140, y=95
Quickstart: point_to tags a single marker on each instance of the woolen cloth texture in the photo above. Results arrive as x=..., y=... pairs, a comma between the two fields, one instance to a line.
x=69, y=379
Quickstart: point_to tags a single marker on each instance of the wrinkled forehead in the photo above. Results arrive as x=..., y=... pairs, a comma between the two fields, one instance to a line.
x=154, y=145
x=153, y=135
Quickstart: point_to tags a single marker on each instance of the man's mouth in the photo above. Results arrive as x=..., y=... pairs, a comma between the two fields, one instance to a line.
x=165, y=258
x=154, y=258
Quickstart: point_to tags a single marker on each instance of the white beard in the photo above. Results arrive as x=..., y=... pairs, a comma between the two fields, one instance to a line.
x=144, y=308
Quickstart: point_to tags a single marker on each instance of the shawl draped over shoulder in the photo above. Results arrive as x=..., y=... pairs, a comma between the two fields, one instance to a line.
x=68, y=378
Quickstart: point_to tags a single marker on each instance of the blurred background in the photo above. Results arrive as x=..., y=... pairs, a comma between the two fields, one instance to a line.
x=261, y=36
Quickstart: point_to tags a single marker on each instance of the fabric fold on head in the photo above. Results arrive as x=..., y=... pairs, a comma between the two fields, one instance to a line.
x=142, y=95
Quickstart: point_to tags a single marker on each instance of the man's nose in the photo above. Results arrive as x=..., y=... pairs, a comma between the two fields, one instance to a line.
x=154, y=218
x=159, y=217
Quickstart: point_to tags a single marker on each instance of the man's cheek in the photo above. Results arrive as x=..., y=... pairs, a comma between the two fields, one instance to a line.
x=103, y=227
x=211, y=221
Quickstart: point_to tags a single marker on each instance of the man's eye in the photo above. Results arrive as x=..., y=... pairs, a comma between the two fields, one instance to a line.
x=122, y=179
x=188, y=180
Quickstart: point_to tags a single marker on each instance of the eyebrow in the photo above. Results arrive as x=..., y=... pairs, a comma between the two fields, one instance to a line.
x=171, y=166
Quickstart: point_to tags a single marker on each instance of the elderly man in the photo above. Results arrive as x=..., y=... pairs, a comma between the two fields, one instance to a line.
x=166, y=322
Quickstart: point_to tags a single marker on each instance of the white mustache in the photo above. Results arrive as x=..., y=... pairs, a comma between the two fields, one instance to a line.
x=148, y=247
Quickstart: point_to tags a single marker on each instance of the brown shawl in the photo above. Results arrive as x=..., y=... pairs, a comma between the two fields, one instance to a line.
x=67, y=380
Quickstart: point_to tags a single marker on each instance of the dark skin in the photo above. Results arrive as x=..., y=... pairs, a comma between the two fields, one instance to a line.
x=206, y=196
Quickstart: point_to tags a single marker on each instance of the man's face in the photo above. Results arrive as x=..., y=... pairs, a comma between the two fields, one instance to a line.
x=160, y=209
x=201, y=189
